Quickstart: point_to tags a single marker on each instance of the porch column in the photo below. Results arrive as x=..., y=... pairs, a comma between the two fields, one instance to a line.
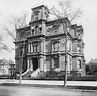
x=31, y=65
x=52, y=61
x=41, y=63
x=45, y=65
x=27, y=64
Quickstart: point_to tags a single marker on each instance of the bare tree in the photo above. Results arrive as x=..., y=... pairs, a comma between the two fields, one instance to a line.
x=65, y=10
x=2, y=45
x=14, y=24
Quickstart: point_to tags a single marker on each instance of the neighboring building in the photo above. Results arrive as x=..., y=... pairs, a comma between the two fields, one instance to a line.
x=12, y=70
x=42, y=44
x=91, y=67
x=4, y=68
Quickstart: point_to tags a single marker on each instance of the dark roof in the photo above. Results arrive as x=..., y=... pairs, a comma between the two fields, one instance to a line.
x=57, y=20
x=24, y=28
x=74, y=26
x=39, y=7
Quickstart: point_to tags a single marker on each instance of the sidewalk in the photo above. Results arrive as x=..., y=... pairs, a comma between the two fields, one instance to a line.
x=85, y=85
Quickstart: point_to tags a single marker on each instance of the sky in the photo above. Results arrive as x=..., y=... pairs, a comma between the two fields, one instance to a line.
x=88, y=21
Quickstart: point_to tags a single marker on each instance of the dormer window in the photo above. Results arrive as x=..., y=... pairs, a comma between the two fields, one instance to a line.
x=55, y=27
x=36, y=11
x=36, y=18
x=32, y=31
x=40, y=29
x=78, y=34
x=36, y=29
x=79, y=50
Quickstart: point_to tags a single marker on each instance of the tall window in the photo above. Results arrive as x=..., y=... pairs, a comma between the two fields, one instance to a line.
x=32, y=31
x=36, y=29
x=56, y=62
x=55, y=46
x=79, y=49
x=70, y=63
x=70, y=49
x=79, y=64
x=35, y=47
x=29, y=47
x=17, y=50
x=36, y=18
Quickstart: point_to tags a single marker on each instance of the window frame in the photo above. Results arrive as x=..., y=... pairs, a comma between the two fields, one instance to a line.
x=55, y=46
x=35, y=46
x=79, y=64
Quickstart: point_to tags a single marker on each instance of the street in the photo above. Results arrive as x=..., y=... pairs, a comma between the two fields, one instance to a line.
x=36, y=91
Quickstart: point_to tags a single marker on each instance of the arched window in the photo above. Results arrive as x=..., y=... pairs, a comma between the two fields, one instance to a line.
x=32, y=31
x=40, y=28
x=35, y=46
x=36, y=29
x=79, y=64
x=55, y=46
x=36, y=18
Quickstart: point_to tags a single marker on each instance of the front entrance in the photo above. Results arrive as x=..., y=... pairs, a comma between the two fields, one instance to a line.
x=35, y=63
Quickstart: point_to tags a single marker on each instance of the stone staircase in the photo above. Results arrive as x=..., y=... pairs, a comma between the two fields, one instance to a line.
x=27, y=74
x=30, y=74
x=35, y=73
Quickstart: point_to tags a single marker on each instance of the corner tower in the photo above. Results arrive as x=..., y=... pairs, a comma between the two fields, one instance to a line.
x=39, y=13
x=39, y=16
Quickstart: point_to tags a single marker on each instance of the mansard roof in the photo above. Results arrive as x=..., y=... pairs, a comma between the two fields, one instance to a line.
x=74, y=26
x=40, y=6
x=57, y=20
x=23, y=28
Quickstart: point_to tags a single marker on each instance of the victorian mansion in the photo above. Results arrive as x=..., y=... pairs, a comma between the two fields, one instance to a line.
x=40, y=46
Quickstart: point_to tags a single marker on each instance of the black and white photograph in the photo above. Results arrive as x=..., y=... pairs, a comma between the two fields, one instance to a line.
x=48, y=48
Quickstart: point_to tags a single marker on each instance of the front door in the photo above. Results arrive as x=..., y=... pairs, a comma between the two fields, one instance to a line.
x=35, y=63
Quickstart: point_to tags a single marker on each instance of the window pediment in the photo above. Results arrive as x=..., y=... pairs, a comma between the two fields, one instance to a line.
x=36, y=12
x=54, y=28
